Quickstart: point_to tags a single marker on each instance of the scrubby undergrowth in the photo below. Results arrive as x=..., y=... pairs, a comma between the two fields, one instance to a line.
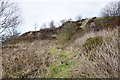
x=94, y=55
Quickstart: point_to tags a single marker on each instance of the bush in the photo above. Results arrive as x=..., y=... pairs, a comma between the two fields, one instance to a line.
x=69, y=30
x=67, y=33
x=104, y=62
x=92, y=43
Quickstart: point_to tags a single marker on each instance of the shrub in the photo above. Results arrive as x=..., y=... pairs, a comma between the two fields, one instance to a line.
x=67, y=33
x=69, y=30
x=105, y=60
x=92, y=43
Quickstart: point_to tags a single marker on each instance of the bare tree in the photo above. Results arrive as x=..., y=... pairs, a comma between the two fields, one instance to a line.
x=9, y=17
x=70, y=19
x=111, y=9
x=79, y=17
x=35, y=26
x=63, y=21
x=43, y=26
x=52, y=24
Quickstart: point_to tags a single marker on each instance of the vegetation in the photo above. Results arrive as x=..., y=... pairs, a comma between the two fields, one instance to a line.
x=52, y=24
x=111, y=12
x=50, y=59
x=67, y=33
x=111, y=9
x=92, y=43
x=10, y=19
x=89, y=49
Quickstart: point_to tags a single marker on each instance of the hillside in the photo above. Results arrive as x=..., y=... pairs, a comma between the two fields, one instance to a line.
x=93, y=24
x=86, y=48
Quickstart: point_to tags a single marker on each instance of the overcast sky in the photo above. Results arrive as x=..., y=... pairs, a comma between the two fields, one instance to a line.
x=43, y=11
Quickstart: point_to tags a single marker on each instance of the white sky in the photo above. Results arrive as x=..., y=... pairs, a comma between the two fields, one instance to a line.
x=43, y=11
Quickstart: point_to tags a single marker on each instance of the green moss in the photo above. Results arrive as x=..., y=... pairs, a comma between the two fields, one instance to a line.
x=92, y=43
x=72, y=62
x=55, y=51
x=63, y=56
x=58, y=71
x=61, y=70
x=63, y=53
x=54, y=68
x=63, y=74
x=17, y=74
x=63, y=65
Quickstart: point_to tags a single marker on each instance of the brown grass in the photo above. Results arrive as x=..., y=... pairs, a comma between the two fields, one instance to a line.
x=34, y=59
x=101, y=62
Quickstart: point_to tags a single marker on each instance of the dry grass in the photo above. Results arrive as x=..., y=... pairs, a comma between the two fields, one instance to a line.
x=27, y=58
x=44, y=58
x=105, y=64
x=101, y=62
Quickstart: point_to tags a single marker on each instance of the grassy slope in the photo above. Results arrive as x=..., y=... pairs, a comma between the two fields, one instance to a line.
x=49, y=58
